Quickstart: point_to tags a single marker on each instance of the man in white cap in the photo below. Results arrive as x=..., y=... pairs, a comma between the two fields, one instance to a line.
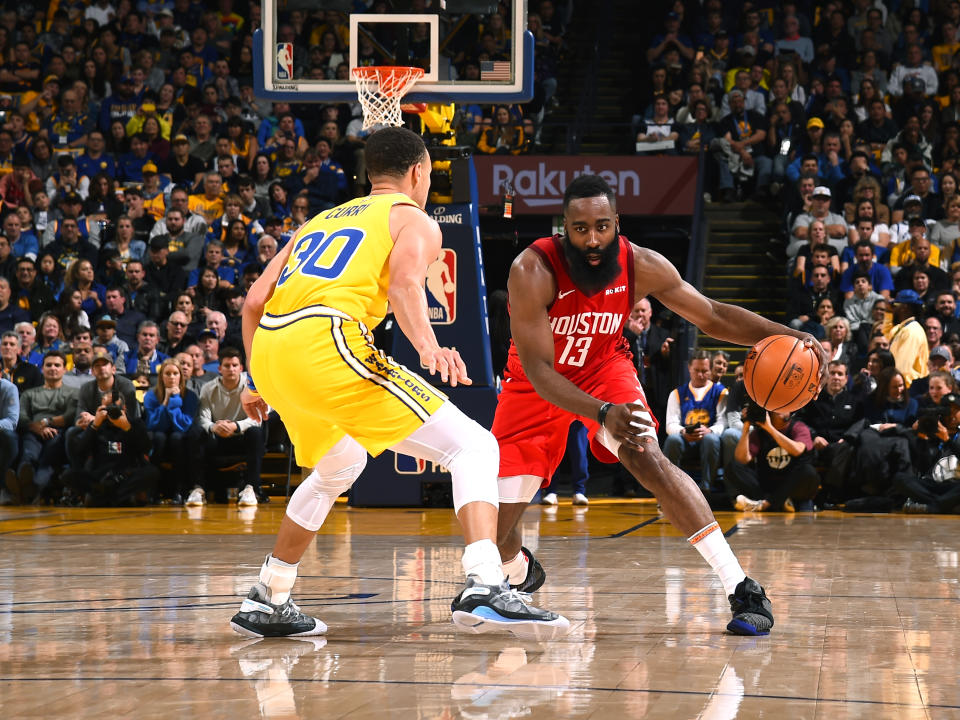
x=820, y=210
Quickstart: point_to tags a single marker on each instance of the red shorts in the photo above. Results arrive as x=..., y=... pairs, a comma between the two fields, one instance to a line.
x=532, y=433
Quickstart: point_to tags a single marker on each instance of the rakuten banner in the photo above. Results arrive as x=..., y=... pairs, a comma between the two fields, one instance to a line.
x=644, y=185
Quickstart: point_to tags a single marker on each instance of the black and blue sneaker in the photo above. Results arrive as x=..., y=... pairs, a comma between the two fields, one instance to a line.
x=752, y=613
x=258, y=617
x=535, y=574
x=483, y=608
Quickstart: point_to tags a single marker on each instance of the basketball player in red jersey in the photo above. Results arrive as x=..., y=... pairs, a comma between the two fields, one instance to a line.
x=569, y=298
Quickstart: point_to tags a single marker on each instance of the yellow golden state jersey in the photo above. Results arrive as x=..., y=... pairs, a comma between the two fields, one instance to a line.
x=341, y=259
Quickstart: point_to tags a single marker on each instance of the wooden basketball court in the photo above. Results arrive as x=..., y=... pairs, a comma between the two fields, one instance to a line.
x=124, y=613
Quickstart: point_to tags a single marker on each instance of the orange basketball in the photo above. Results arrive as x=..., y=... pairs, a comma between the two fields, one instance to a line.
x=781, y=374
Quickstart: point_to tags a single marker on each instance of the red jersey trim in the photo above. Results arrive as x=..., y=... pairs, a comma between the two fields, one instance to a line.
x=630, y=278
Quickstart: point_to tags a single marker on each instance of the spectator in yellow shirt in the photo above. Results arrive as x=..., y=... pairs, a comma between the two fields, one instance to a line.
x=148, y=110
x=210, y=203
x=943, y=54
x=908, y=339
x=904, y=253
x=916, y=253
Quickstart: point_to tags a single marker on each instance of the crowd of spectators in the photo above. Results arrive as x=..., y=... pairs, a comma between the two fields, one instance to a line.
x=778, y=90
x=144, y=188
x=873, y=440
x=846, y=115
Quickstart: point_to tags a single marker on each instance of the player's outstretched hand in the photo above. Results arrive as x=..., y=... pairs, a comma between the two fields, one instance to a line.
x=448, y=363
x=254, y=406
x=627, y=422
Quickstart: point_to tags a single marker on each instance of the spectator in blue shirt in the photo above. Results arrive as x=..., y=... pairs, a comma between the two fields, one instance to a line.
x=69, y=127
x=9, y=417
x=21, y=244
x=145, y=358
x=130, y=165
x=122, y=105
x=94, y=160
x=829, y=161
x=880, y=277
x=213, y=260
x=10, y=314
x=670, y=37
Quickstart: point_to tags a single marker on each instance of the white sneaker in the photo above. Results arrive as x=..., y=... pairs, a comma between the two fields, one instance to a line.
x=196, y=498
x=580, y=499
x=248, y=498
x=550, y=499
x=745, y=504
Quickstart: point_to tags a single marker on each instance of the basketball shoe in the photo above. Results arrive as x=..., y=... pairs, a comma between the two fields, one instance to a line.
x=483, y=608
x=535, y=574
x=745, y=504
x=258, y=617
x=248, y=498
x=752, y=614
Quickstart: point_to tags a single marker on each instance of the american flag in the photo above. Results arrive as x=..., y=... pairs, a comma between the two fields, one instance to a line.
x=495, y=70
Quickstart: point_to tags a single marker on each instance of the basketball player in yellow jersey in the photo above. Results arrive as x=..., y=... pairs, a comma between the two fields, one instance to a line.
x=306, y=324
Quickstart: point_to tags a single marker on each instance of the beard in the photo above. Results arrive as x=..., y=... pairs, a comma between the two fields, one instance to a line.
x=591, y=278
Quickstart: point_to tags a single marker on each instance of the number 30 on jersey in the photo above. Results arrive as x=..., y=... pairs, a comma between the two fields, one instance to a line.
x=323, y=256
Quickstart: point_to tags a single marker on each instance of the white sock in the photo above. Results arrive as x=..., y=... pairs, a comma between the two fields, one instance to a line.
x=279, y=577
x=482, y=559
x=516, y=569
x=711, y=543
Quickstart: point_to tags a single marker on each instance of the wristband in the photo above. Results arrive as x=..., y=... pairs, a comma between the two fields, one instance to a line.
x=602, y=412
x=250, y=386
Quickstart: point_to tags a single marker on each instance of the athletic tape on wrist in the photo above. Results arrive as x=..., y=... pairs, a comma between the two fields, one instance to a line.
x=602, y=412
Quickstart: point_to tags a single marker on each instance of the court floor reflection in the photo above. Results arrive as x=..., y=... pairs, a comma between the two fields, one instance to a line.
x=125, y=613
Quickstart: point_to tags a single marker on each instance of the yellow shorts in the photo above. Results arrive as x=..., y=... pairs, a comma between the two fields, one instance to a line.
x=320, y=371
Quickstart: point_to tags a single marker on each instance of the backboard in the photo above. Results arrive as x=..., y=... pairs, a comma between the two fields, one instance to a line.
x=470, y=50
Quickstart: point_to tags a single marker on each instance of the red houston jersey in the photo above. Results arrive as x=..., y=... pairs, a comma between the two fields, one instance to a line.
x=587, y=329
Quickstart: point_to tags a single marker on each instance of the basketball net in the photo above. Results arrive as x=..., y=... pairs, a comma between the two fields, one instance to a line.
x=380, y=88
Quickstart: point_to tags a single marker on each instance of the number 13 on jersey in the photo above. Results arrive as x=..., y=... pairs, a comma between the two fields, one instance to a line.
x=323, y=256
x=575, y=352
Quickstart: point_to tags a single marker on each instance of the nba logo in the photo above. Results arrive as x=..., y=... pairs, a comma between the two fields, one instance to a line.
x=284, y=61
x=408, y=465
x=442, y=288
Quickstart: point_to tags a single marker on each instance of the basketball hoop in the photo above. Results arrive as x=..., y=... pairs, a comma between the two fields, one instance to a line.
x=380, y=88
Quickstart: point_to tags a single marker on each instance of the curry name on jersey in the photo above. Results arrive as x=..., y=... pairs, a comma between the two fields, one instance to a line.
x=341, y=260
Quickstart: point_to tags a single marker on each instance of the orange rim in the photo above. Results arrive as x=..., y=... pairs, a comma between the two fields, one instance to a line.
x=392, y=78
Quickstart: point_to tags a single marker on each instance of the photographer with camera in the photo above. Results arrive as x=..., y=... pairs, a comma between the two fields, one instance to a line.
x=935, y=487
x=774, y=463
x=90, y=395
x=108, y=458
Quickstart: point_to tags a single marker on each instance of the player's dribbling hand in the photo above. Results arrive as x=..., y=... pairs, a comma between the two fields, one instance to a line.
x=448, y=363
x=254, y=406
x=811, y=341
x=627, y=422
